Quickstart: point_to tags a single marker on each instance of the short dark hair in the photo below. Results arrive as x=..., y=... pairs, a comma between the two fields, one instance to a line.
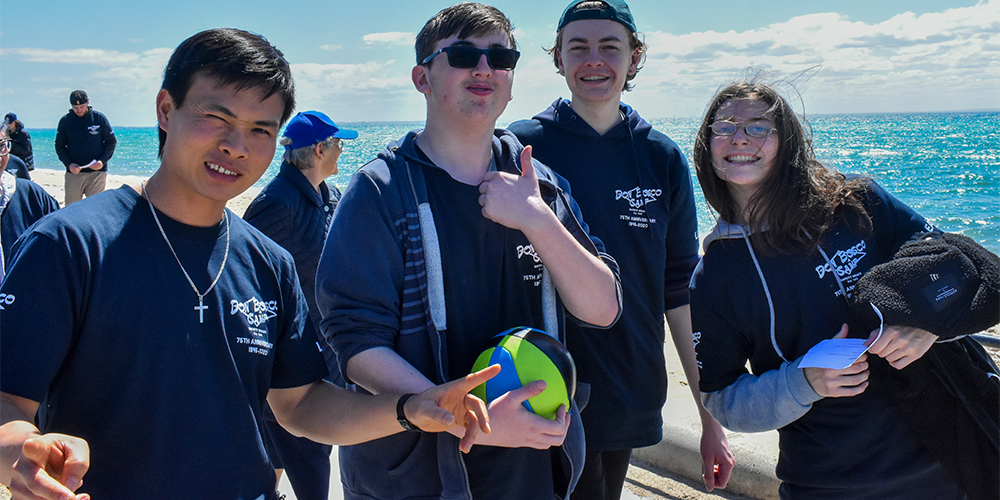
x=800, y=198
x=635, y=41
x=465, y=19
x=232, y=57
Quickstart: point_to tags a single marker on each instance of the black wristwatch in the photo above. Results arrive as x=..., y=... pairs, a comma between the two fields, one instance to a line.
x=401, y=415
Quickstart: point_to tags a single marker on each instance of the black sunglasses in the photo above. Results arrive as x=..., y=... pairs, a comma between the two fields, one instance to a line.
x=467, y=56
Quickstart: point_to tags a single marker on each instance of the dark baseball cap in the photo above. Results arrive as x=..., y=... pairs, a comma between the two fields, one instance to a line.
x=613, y=10
x=78, y=97
x=10, y=118
x=311, y=127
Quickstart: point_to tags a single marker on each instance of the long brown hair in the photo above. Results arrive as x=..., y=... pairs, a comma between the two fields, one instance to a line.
x=799, y=199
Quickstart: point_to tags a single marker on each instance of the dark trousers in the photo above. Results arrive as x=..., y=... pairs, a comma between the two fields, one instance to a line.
x=603, y=475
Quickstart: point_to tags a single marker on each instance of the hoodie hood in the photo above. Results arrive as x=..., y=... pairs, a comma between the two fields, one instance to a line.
x=724, y=230
x=561, y=115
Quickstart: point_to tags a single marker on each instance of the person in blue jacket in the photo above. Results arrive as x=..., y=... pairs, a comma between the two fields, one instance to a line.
x=22, y=203
x=84, y=143
x=150, y=324
x=793, y=239
x=295, y=210
x=633, y=185
x=451, y=236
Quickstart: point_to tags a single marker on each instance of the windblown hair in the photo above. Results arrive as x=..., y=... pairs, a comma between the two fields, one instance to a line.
x=467, y=20
x=231, y=57
x=800, y=199
x=635, y=41
x=302, y=158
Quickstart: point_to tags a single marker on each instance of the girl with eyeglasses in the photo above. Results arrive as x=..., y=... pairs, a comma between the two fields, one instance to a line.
x=792, y=239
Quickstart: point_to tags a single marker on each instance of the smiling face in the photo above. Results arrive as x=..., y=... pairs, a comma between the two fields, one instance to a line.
x=458, y=94
x=218, y=143
x=740, y=160
x=596, y=59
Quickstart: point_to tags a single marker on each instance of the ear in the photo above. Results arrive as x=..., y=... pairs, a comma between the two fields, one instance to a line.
x=318, y=151
x=559, y=63
x=164, y=105
x=420, y=79
x=636, y=57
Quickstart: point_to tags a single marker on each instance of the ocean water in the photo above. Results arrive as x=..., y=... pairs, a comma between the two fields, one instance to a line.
x=944, y=165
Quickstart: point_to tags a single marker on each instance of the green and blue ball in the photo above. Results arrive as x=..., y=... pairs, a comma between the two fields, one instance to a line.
x=526, y=355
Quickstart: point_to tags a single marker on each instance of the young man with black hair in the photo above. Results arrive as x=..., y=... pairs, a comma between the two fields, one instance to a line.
x=633, y=184
x=461, y=236
x=143, y=328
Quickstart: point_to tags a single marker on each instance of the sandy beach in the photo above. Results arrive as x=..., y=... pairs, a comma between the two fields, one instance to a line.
x=53, y=181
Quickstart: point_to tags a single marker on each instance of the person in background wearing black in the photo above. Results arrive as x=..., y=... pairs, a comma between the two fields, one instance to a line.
x=84, y=143
x=20, y=140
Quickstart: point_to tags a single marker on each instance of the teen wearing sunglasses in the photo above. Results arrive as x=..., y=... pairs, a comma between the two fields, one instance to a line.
x=470, y=193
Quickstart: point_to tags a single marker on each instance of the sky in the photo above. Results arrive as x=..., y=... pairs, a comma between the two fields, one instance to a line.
x=352, y=60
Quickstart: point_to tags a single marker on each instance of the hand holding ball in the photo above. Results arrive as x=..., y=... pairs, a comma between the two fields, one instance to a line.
x=526, y=355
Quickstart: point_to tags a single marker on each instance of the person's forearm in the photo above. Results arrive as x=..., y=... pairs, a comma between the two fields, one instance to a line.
x=381, y=370
x=679, y=323
x=585, y=283
x=331, y=415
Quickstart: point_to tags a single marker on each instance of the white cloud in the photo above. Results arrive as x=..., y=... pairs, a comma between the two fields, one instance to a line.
x=391, y=37
x=865, y=67
x=331, y=47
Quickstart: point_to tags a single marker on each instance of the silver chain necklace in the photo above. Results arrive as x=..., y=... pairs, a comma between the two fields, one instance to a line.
x=201, y=296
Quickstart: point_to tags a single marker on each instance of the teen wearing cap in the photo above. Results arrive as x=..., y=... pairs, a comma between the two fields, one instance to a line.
x=295, y=210
x=633, y=185
x=84, y=143
x=793, y=240
x=451, y=236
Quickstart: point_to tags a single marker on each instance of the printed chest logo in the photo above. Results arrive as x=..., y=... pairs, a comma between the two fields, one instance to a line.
x=6, y=299
x=535, y=277
x=94, y=129
x=844, y=263
x=637, y=199
x=257, y=313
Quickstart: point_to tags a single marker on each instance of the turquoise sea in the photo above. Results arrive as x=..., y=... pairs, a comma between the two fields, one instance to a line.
x=944, y=165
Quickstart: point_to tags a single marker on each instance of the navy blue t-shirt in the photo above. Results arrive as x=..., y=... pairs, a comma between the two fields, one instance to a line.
x=108, y=340
x=492, y=282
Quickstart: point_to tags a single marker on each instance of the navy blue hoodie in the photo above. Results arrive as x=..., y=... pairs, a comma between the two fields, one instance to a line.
x=81, y=139
x=634, y=189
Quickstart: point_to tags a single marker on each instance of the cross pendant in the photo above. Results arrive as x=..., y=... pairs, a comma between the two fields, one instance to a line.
x=201, y=310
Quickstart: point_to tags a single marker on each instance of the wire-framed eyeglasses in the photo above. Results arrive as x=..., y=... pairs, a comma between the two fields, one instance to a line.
x=757, y=128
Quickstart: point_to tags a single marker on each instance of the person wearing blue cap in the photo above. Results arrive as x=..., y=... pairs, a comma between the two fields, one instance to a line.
x=295, y=210
x=633, y=185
